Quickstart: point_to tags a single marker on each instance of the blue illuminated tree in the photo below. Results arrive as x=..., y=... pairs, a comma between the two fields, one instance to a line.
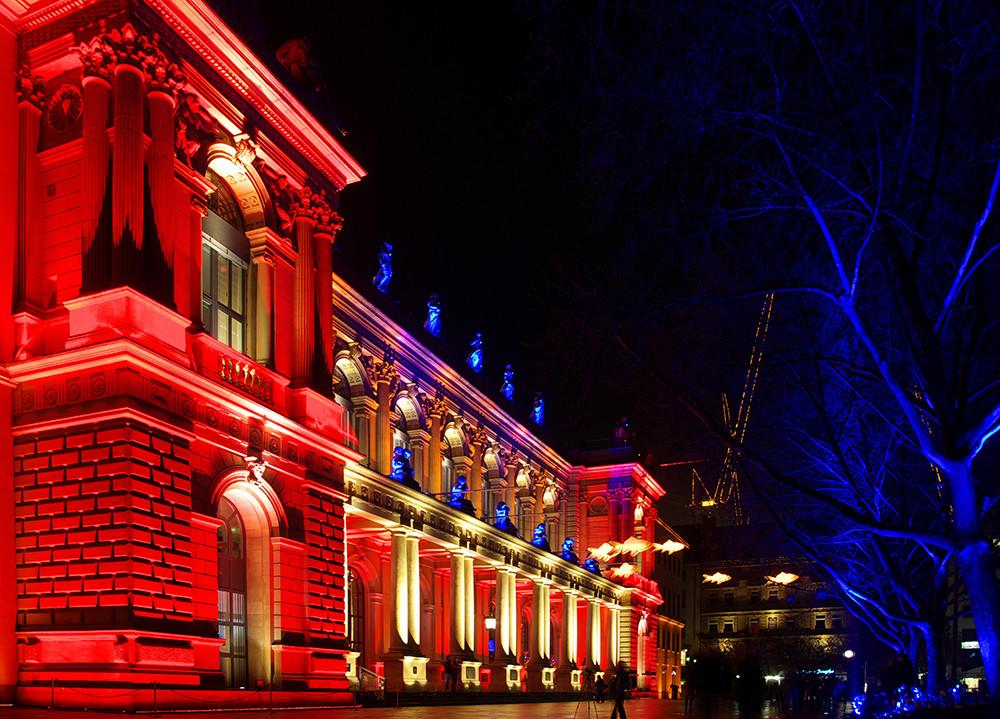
x=842, y=156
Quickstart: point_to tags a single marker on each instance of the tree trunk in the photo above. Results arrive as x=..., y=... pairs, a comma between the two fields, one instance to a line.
x=935, y=659
x=975, y=564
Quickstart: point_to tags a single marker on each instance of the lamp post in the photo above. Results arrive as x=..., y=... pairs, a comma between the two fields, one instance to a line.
x=849, y=655
x=491, y=624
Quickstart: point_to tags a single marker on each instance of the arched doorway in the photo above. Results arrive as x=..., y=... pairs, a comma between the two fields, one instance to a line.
x=356, y=617
x=231, y=540
x=250, y=515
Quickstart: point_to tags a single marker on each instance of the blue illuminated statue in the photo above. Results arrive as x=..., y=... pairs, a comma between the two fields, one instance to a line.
x=503, y=522
x=567, y=551
x=538, y=409
x=401, y=471
x=381, y=279
x=475, y=360
x=508, y=383
x=591, y=566
x=541, y=538
x=459, y=500
x=433, y=323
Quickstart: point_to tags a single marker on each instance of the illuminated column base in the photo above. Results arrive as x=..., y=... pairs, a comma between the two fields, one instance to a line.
x=504, y=678
x=405, y=673
x=352, y=670
x=470, y=676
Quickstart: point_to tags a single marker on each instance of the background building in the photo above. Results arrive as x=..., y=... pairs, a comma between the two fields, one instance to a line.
x=200, y=500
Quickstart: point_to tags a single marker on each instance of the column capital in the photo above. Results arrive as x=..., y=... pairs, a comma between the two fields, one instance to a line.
x=477, y=436
x=435, y=406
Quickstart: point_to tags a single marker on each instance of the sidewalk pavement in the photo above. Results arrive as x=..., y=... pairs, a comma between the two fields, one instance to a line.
x=645, y=708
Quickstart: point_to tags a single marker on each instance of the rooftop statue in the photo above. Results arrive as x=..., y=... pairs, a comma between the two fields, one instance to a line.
x=541, y=538
x=401, y=470
x=508, y=383
x=622, y=431
x=503, y=519
x=591, y=566
x=475, y=360
x=381, y=279
x=459, y=500
x=433, y=323
x=538, y=409
x=567, y=551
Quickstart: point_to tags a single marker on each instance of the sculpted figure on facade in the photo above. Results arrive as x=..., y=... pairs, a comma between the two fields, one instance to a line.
x=384, y=274
x=433, y=323
x=591, y=565
x=568, y=551
x=538, y=409
x=401, y=471
x=541, y=537
x=475, y=360
x=30, y=87
x=459, y=500
x=503, y=522
x=193, y=128
x=507, y=390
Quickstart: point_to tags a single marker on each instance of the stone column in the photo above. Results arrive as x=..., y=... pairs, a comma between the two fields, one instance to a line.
x=304, y=288
x=324, y=291
x=594, y=632
x=413, y=584
x=28, y=255
x=385, y=378
x=627, y=518
x=127, y=175
x=435, y=409
x=199, y=211
x=457, y=603
x=503, y=644
x=419, y=440
x=94, y=156
x=614, y=636
x=262, y=284
x=163, y=83
x=569, y=627
x=469, y=576
x=514, y=632
x=477, y=440
x=399, y=599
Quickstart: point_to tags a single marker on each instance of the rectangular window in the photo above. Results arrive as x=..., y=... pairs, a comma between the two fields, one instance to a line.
x=730, y=599
x=772, y=622
x=821, y=621
x=728, y=626
x=713, y=599
x=223, y=279
x=713, y=626
x=755, y=625
x=838, y=622
x=772, y=594
x=755, y=597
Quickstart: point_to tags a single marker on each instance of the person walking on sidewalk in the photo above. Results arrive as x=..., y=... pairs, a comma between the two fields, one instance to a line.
x=620, y=691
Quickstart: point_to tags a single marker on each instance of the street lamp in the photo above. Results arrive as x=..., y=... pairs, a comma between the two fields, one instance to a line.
x=491, y=624
x=849, y=654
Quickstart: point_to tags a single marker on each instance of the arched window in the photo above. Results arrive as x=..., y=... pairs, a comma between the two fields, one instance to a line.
x=225, y=268
x=232, y=596
x=356, y=617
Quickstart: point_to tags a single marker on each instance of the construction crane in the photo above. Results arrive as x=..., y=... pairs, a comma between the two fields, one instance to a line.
x=727, y=487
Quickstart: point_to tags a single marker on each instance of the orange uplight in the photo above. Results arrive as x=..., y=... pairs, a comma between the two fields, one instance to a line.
x=717, y=578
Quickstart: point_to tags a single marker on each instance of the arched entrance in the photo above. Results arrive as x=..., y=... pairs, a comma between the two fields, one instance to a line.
x=356, y=617
x=231, y=540
x=250, y=515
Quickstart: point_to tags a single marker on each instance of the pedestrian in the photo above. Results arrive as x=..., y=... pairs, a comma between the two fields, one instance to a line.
x=619, y=691
x=599, y=686
x=449, y=674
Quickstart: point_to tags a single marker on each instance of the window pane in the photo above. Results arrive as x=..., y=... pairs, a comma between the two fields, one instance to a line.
x=223, y=282
x=206, y=270
x=221, y=326
x=237, y=330
x=237, y=303
x=206, y=315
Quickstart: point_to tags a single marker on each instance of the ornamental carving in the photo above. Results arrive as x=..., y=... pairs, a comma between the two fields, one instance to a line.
x=163, y=75
x=477, y=435
x=128, y=46
x=30, y=88
x=193, y=130
x=97, y=57
x=308, y=204
x=328, y=222
x=65, y=108
x=508, y=457
x=435, y=406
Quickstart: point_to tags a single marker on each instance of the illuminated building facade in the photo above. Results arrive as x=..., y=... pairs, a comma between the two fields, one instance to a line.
x=196, y=502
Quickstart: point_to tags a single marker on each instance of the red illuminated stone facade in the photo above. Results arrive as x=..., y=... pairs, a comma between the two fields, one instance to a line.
x=201, y=412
